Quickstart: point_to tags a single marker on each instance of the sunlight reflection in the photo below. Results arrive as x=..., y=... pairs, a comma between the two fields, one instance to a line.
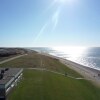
x=73, y=52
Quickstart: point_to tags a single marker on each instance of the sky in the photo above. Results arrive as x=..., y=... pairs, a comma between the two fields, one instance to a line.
x=49, y=23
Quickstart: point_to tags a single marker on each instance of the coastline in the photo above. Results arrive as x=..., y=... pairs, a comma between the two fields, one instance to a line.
x=90, y=74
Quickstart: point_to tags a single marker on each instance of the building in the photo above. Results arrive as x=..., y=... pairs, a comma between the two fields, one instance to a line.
x=9, y=77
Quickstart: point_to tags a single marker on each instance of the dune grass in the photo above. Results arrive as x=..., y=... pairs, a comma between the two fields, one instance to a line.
x=41, y=85
x=34, y=60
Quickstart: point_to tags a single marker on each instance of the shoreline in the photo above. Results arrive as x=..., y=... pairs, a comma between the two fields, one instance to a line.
x=90, y=74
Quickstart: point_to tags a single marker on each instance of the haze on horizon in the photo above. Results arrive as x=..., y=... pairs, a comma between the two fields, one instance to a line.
x=31, y=23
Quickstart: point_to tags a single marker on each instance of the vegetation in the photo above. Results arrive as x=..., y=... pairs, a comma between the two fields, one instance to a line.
x=6, y=53
x=35, y=60
x=10, y=52
x=41, y=85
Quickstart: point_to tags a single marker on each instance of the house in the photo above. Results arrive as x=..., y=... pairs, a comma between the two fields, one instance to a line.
x=9, y=77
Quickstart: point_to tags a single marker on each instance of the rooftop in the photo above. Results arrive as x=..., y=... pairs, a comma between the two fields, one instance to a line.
x=9, y=74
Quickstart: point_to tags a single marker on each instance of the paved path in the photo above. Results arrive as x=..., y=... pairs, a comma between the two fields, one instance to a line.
x=43, y=69
x=7, y=60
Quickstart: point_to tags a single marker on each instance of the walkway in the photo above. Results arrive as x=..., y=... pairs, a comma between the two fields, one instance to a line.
x=7, y=60
x=43, y=69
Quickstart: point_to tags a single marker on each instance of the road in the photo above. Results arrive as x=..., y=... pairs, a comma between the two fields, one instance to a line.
x=7, y=60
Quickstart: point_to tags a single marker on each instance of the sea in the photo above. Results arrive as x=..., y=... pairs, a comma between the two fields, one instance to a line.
x=87, y=56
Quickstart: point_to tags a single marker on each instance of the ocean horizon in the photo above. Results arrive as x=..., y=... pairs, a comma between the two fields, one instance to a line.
x=86, y=56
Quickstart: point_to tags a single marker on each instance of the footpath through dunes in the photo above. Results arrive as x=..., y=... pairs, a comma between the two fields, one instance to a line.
x=11, y=58
x=42, y=85
x=7, y=53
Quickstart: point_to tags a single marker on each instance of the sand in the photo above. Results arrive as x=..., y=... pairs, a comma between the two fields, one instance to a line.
x=88, y=73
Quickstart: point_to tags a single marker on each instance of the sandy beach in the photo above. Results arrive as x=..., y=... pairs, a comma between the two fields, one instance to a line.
x=90, y=74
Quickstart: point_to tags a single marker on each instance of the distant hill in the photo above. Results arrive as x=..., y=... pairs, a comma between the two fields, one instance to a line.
x=5, y=52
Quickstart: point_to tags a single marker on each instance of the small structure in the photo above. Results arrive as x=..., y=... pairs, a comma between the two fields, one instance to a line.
x=9, y=77
x=99, y=74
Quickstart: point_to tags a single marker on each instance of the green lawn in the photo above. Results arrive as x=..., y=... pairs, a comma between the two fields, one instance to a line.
x=41, y=85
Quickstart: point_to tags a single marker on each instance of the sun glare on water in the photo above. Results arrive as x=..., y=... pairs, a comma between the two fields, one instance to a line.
x=72, y=51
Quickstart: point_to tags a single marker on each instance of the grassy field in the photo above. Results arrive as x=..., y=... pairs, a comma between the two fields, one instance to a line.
x=41, y=85
x=33, y=60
